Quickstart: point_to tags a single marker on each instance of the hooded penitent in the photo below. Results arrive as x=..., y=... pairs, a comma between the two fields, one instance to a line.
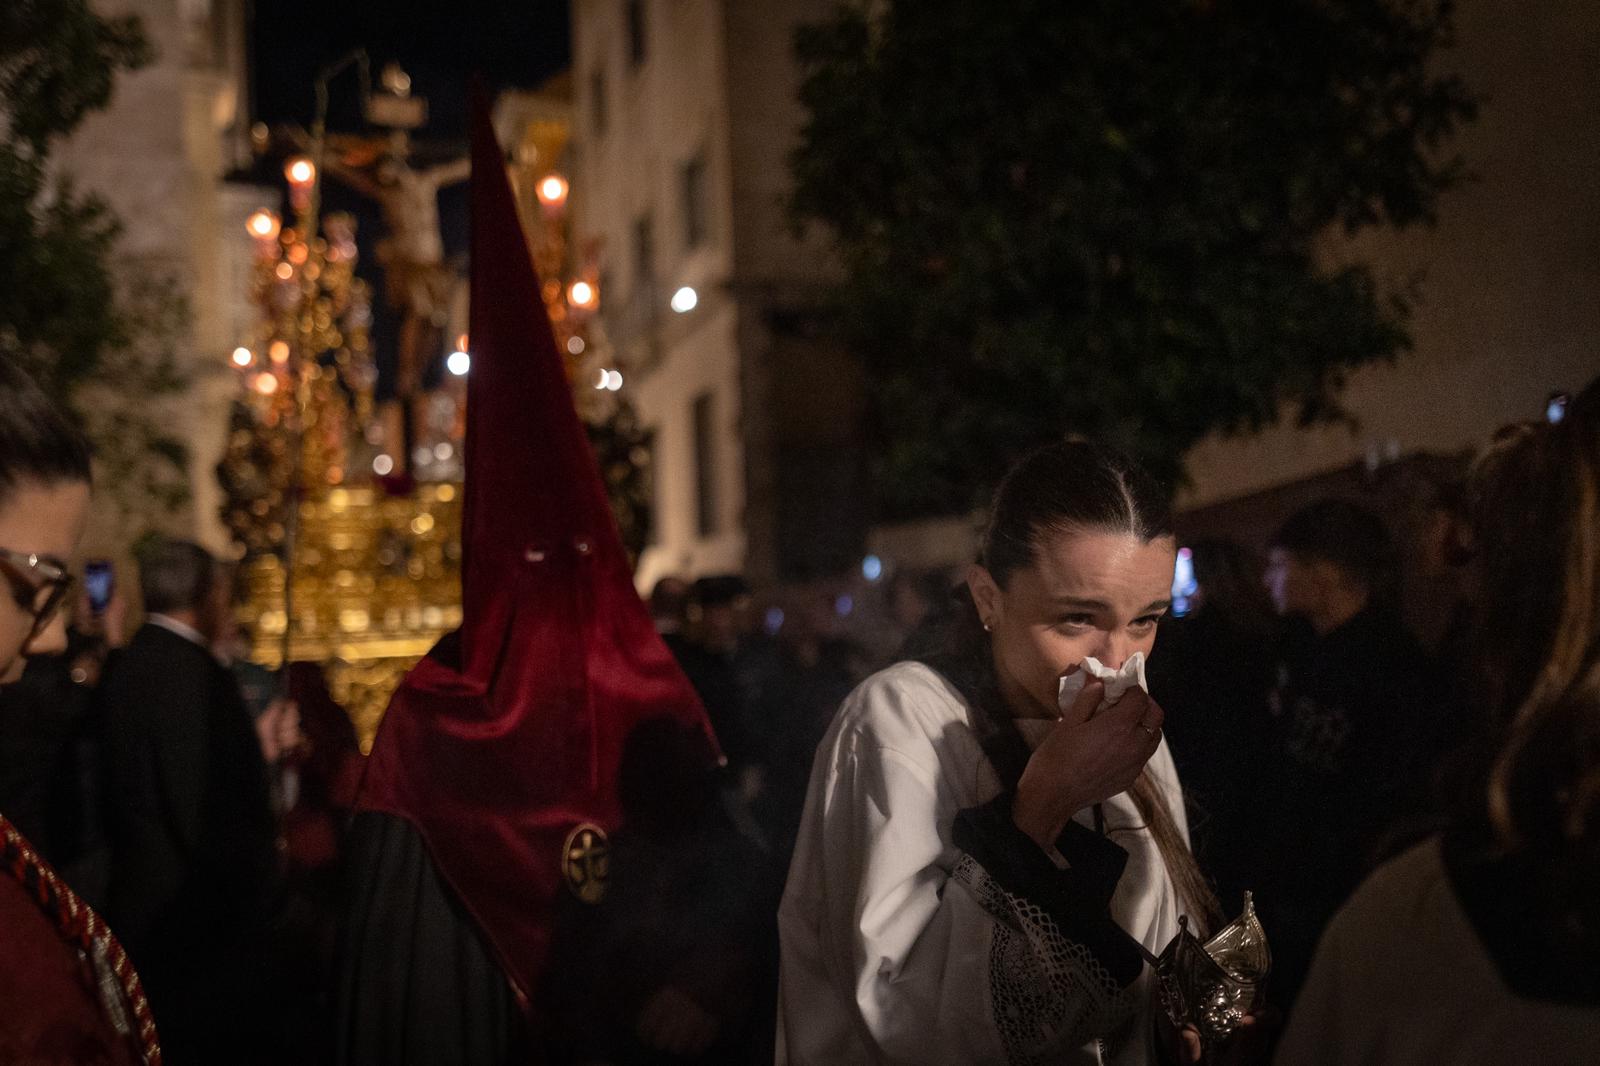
x=506, y=738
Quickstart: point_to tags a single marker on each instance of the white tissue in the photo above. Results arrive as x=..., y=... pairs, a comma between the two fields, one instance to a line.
x=1117, y=681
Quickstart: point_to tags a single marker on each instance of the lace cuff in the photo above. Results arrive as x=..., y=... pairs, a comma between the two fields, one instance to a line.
x=1061, y=971
x=1050, y=993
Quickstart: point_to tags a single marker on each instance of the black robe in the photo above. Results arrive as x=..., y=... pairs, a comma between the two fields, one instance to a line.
x=192, y=857
x=417, y=983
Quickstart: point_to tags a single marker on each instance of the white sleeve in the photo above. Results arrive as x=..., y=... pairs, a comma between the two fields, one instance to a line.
x=941, y=963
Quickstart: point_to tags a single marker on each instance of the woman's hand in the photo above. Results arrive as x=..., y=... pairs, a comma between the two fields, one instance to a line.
x=1087, y=758
x=110, y=625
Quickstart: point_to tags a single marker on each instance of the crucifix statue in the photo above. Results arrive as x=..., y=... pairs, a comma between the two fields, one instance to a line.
x=418, y=283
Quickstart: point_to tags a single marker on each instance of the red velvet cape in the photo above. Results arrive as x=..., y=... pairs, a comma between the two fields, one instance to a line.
x=497, y=753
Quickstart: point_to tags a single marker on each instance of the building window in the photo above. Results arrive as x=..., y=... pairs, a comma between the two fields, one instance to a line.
x=644, y=249
x=705, y=466
x=599, y=112
x=692, y=179
x=637, y=30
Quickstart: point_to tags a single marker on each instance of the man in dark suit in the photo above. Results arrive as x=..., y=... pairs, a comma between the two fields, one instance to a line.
x=189, y=817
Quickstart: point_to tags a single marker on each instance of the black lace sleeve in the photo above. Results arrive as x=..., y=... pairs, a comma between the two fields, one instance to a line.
x=1061, y=971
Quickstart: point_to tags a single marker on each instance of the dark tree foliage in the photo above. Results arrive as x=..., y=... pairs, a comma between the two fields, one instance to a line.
x=101, y=341
x=1111, y=218
x=621, y=448
x=57, y=62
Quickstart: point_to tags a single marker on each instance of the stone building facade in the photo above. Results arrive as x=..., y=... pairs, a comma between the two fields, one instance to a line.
x=1509, y=308
x=685, y=113
x=158, y=156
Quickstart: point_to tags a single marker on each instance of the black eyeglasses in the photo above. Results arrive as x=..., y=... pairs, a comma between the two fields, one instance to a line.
x=38, y=583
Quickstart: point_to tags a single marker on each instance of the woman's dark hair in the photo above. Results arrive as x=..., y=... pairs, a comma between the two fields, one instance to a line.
x=1535, y=504
x=1536, y=512
x=38, y=441
x=1064, y=488
x=1074, y=486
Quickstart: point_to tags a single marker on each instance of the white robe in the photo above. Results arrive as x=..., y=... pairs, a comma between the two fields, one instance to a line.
x=891, y=947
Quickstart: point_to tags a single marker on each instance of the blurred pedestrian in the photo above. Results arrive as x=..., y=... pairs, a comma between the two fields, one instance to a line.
x=50, y=758
x=68, y=993
x=1447, y=545
x=669, y=966
x=911, y=599
x=812, y=668
x=318, y=775
x=1213, y=678
x=1483, y=944
x=669, y=609
x=1348, y=710
x=722, y=664
x=189, y=816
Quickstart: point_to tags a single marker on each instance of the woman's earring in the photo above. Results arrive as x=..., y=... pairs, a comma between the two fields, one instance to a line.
x=986, y=628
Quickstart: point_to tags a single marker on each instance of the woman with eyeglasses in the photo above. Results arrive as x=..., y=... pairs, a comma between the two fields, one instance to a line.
x=68, y=992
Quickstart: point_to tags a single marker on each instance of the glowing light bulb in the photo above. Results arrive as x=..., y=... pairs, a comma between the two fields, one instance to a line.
x=581, y=294
x=575, y=345
x=382, y=465
x=300, y=171
x=263, y=224
x=266, y=384
x=553, y=190
x=458, y=363
x=685, y=300
x=278, y=352
x=242, y=357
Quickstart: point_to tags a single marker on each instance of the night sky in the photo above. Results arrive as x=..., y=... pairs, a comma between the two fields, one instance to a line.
x=442, y=45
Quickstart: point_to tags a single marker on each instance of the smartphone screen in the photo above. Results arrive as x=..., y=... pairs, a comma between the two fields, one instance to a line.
x=99, y=582
x=1184, y=585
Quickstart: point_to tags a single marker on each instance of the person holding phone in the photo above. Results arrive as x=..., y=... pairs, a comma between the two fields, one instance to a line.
x=68, y=991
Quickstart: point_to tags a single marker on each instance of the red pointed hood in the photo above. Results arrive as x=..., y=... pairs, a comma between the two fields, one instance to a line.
x=498, y=745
